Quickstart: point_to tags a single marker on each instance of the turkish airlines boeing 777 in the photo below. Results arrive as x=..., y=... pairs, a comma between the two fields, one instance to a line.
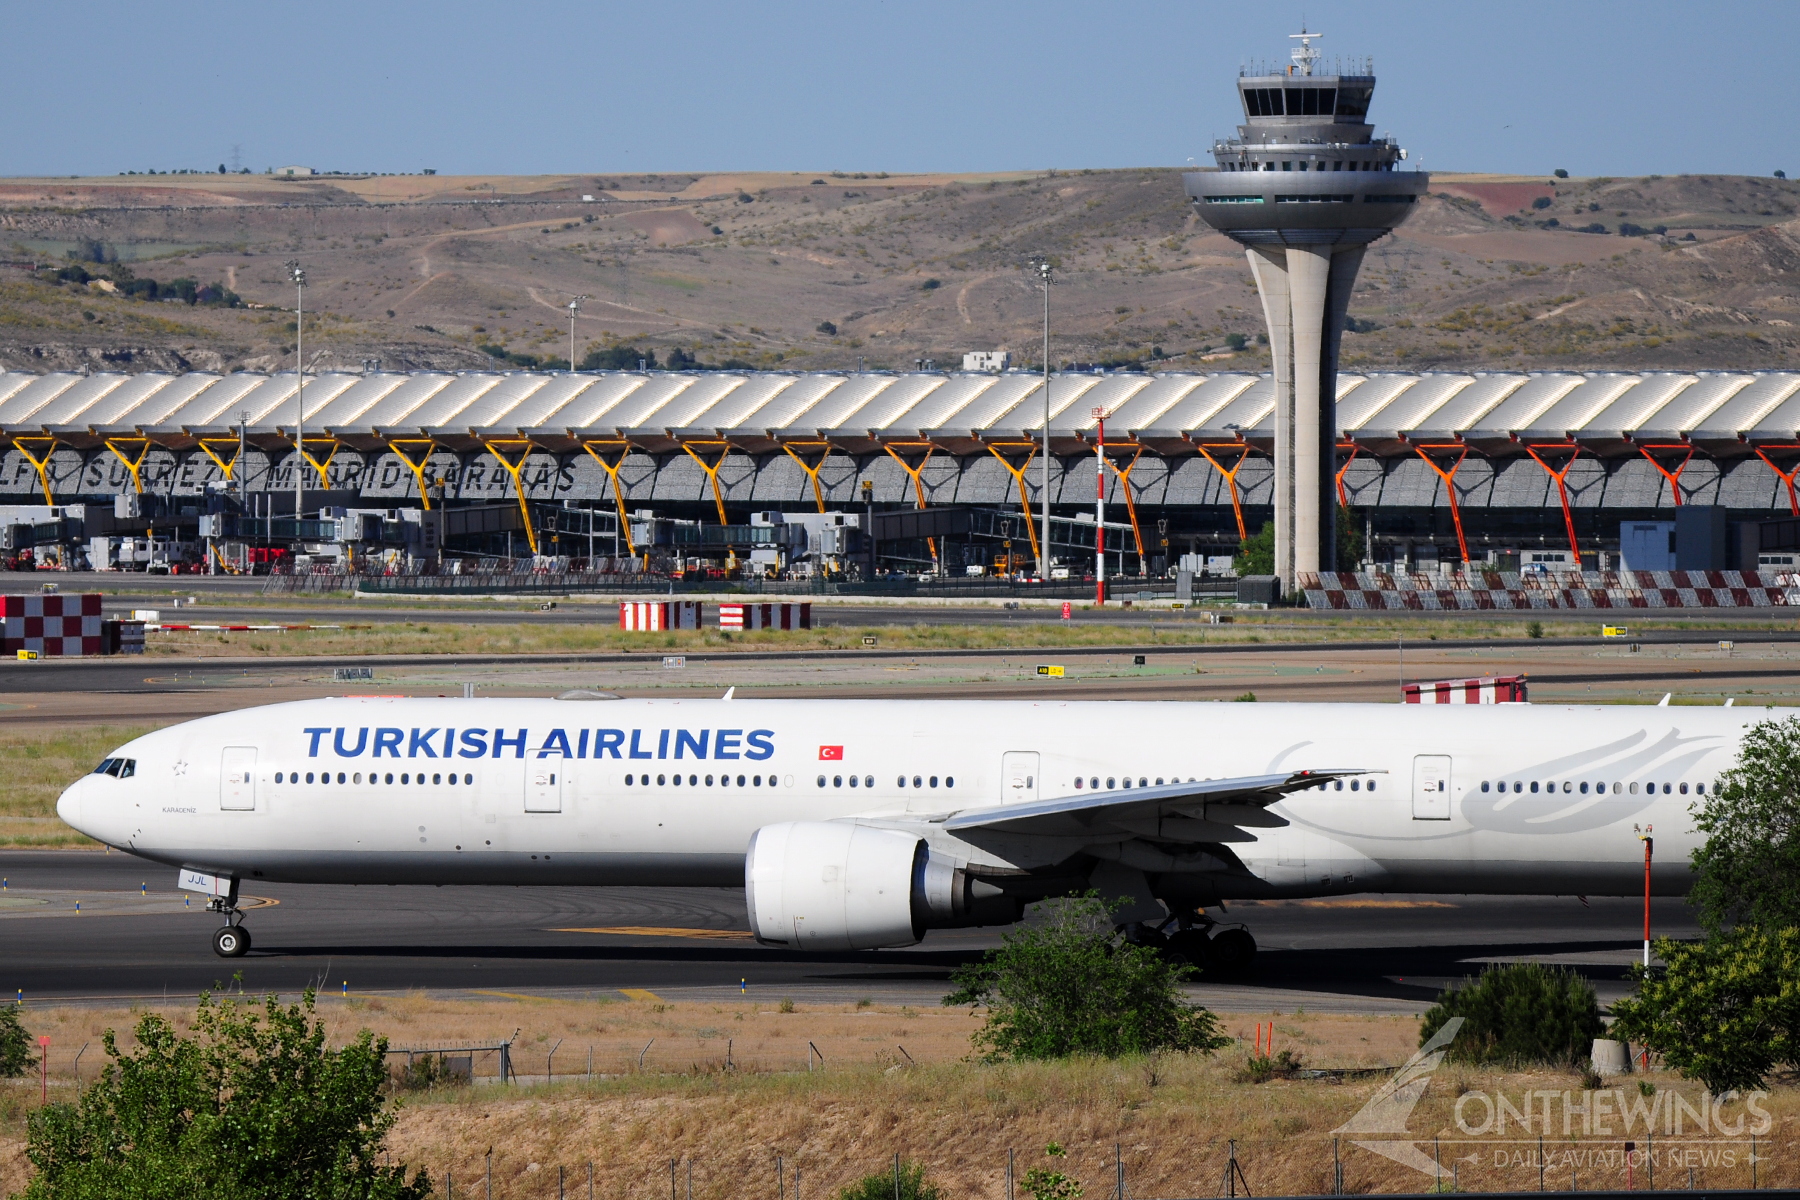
x=860, y=824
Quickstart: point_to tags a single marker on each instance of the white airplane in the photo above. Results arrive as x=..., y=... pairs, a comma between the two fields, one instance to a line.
x=862, y=824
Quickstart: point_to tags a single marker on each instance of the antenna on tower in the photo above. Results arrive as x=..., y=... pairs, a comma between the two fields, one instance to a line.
x=1304, y=55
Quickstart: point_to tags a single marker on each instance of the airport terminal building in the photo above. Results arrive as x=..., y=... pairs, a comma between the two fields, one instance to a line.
x=1439, y=468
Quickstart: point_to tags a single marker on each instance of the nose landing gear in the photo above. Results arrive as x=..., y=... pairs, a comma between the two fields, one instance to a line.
x=231, y=940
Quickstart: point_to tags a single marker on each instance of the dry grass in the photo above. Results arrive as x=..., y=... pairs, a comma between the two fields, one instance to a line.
x=36, y=764
x=1170, y=1117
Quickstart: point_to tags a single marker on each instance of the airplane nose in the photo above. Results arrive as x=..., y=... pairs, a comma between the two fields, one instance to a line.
x=69, y=806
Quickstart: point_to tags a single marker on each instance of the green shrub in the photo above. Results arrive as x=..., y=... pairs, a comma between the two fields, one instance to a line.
x=1073, y=985
x=1748, y=869
x=1725, y=1011
x=1519, y=1013
x=252, y=1105
x=15, y=1044
x=908, y=1183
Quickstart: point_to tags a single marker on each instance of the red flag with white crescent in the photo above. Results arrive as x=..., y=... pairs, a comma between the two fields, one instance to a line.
x=831, y=754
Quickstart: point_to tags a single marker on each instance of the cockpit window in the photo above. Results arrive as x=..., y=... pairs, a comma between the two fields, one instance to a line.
x=118, y=768
x=105, y=767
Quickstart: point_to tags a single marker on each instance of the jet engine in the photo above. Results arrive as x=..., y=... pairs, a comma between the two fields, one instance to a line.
x=835, y=885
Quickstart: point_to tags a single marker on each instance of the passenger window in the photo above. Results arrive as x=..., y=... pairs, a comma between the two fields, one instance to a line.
x=934, y=781
x=660, y=780
x=900, y=782
x=1484, y=785
x=403, y=778
x=917, y=782
x=708, y=781
x=949, y=781
x=741, y=781
x=1110, y=783
x=853, y=781
x=821, y=781
x=1584, y=789
x=309, y=777
x=628, y=781
x=1634, y=788
x=1078, y=783
x=1338, y=785
x=440, y=779
x=1684, y=789
x=1534, y=787
x=868, y=780
x=1700, y=788
x=1356, y=785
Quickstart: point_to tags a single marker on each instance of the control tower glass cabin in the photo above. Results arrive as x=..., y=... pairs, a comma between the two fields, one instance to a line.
x=1305, y=187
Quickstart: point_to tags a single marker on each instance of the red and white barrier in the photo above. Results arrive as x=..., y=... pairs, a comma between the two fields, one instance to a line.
x=641, y=616
x=1498, y=689
x=52, y=626
x=765, y=616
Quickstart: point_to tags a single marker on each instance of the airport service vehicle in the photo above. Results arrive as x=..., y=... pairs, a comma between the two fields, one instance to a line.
x=862, y=824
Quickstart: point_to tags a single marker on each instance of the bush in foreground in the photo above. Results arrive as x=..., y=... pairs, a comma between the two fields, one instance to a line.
x=1748, y=869
x=1073, y=985
x=15, y=1044
x=1519, y=1013
x=906, y=1182
x=253, y=1106
x=1725, y=1011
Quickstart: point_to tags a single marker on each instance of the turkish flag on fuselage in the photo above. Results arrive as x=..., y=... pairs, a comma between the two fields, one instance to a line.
x=831, y=754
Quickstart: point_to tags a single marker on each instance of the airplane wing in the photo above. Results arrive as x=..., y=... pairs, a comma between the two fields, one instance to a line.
x=1209, y=810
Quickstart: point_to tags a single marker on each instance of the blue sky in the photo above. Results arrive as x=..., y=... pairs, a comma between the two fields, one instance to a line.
x=1593, y=86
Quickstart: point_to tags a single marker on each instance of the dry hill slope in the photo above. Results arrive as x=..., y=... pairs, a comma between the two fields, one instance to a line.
x=799, y=271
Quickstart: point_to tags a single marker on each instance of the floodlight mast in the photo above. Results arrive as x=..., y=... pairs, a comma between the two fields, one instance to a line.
x=574, y=307
x=299, y=276
x=1100, y=509
x=1043, y=269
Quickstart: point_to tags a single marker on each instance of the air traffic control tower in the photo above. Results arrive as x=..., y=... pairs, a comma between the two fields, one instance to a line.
x=1305, y=187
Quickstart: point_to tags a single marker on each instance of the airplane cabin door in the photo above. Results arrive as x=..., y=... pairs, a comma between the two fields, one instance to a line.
x=1018, y=776
x=1431, y=787
x=237, y=778
x=544, y=781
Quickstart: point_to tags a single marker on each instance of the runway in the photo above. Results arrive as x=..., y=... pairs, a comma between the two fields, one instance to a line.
x=1357, y=954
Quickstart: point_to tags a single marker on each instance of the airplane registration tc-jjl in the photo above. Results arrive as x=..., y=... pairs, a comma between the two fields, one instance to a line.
x=864, y=824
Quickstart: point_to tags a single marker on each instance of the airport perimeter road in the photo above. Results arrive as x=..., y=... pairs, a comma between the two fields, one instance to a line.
x=1356, y=954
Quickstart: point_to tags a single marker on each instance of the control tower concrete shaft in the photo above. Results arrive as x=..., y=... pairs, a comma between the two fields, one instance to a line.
x=1304, y=188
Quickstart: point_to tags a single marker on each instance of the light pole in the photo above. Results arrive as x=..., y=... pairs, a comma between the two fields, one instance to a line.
x=299, y=277
x=1043, y=270
x=574, y=307
x=1100, y=509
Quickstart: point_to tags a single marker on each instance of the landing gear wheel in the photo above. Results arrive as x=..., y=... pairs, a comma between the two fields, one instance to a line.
x=1232, y=949
x=231, y=941
x=1192, y=946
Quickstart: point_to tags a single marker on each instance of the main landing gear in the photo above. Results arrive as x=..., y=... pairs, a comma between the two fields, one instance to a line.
x=1196, y=938
x=230, y=940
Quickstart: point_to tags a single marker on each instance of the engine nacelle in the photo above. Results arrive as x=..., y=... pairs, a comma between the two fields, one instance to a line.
x=831, y=885
x=836, y=885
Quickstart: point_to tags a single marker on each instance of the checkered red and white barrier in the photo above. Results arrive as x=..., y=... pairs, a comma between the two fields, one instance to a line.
x=1498, y=689
x=52, y=626
x=1551, y=590
x=640, y=616
x=765, y=616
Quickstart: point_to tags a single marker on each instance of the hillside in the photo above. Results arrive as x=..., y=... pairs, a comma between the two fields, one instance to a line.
x=827, y=271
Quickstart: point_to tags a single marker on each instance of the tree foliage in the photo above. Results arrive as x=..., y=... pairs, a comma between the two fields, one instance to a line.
x=1748, y=869
x=253, y=1105
x=1070, y=984
x=1256, y=553
x=1725, y=1011
x=15, y=1044
x=618, y=358
x=1519, y=1013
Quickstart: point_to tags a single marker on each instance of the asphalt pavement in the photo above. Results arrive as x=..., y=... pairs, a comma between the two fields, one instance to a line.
x=1356, y=954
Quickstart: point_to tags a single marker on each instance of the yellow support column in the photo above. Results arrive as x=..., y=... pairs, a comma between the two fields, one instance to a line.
x=812, y=471
x=1018, y=473
x=320, y=467
x=40, y=463
x=227, y=466
x=418, y=468
x=918, y=481
x=524, y=447
x=712, y=477
x=131, y=464
x=612, y=472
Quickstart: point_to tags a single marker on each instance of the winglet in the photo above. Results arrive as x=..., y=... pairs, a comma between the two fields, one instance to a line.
x=729, y=691
x=1664, y=702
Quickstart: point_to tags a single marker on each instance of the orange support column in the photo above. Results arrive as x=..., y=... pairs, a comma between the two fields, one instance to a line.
x=524, y=448
x=1561, y=489
x=1237, y=506
x=1018, y=474
x=417, y=466
x=1449, y=478
x=1124, y=475
x=612, y=472
x=1352, y=447
x=1787, y=477
x=812, y=469
x=40, y=462
x=1675, y=477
